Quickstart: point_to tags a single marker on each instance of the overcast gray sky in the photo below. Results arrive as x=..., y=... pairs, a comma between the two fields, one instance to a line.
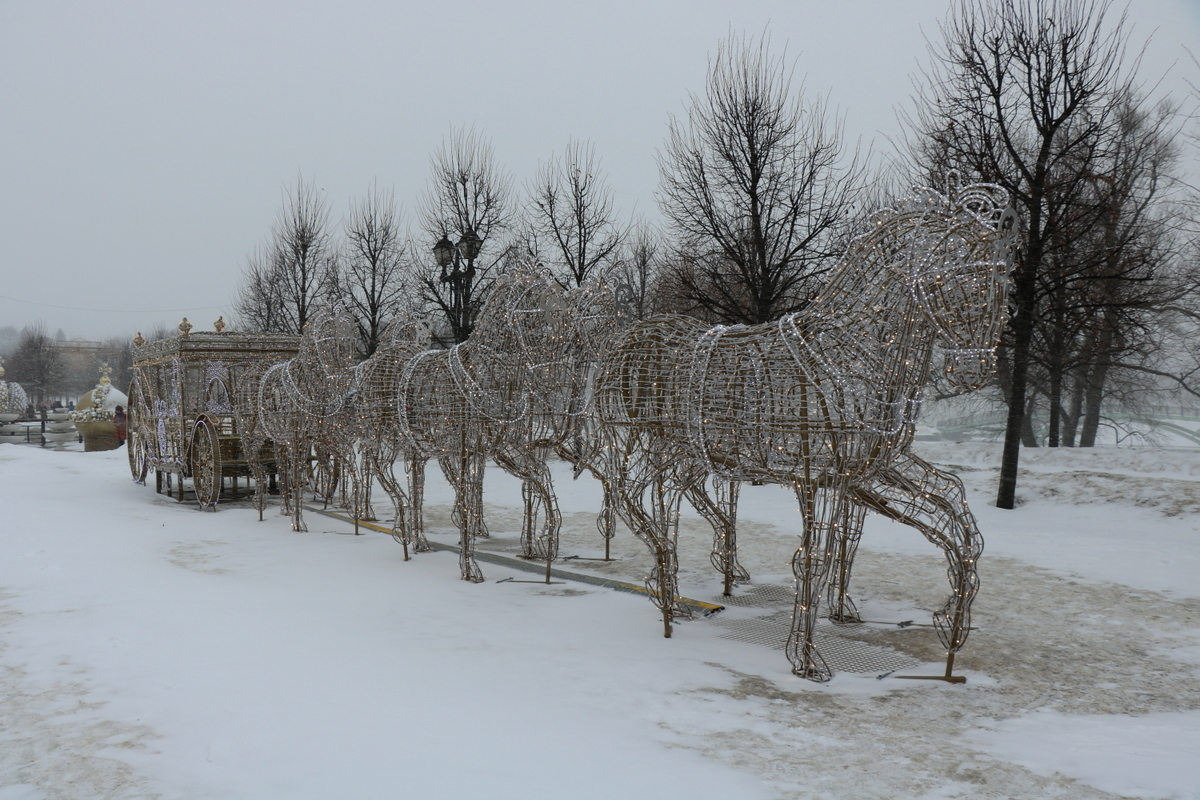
x=144, y=145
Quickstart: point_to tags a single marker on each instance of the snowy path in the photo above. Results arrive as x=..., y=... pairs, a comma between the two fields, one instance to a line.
x=148, y=650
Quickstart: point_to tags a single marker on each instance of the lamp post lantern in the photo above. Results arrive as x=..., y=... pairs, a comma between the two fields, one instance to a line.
x=457, y=263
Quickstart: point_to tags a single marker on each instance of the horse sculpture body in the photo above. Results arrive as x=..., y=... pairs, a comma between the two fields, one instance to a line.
x=476, y=399
x=823, y=400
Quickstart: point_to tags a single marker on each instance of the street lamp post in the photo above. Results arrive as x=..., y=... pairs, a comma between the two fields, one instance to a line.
x=457, y=262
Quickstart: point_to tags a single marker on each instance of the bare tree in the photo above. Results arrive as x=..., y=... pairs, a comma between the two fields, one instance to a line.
x=259, y=302
x=641, y=266
x=372, y=275
x=1111, y=269
x=465, y=209
x=755, y=184
x=288, y=277
x=37, y=364
x=570, y=206
x=1024, y=93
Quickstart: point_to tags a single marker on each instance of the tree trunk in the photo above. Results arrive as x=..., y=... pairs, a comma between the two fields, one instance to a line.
x=1093, y=399
x=1022, y=330
x=1074, y=414
x=1028, y=438
x=1052, y=435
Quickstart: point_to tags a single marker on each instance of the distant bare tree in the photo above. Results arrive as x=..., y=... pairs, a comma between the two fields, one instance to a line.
x=37, y=364
x=9, y=336
x=259, y=303
x=755, y=184
x=570, y=205
x=1110, y=271
x=466, y=207
x=640, y=265
x=372, y=276
x=164, y=331
x=289, y=276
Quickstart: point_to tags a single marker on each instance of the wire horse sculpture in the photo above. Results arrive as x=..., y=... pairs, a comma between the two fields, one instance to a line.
x=306, y=407
x=515, y=392
x=382, y=432
x=559, y=418
x=823, y=400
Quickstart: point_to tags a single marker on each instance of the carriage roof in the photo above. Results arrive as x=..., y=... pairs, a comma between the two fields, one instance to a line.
x=212, y=346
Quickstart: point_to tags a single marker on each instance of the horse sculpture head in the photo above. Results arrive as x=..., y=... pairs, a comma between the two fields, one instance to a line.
x=954, y=252
x=328, y=346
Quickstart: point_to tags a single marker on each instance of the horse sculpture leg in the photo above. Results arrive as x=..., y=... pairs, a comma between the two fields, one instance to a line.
x=298, y=468
x=415, y=469
x=719, y=508
x=663, y=537
x=362, y=476
x=289, y=498
x=538, y=541
x=650, y=508
x=606, y=521
x=401, y=524
x=822, y=511
x=841, y=607
x=918, y=494
x=464, y=471
x=252, y=447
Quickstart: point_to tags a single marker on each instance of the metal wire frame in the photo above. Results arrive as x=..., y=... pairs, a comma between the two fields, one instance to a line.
x=824, y=400
x=177, y=382
x=513, y=393
x=381, y=433
x=13, y=399
x=306, y=407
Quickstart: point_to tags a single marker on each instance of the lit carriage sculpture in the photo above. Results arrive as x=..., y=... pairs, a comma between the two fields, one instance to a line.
x=193, y=400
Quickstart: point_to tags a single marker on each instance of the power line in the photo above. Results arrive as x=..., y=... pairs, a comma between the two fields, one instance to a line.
x=116, y=310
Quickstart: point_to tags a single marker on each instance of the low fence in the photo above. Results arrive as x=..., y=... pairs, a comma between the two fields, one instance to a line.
x=50, y=432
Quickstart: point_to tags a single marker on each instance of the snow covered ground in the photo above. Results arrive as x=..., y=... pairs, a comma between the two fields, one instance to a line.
x=149, y=650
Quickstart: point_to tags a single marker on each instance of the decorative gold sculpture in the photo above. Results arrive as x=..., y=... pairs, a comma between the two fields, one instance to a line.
x=190, y=415
x=823, y=400
x=306, y=407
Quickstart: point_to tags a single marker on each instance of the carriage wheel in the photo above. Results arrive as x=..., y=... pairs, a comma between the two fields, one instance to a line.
x=137, y=418
x=139, y=463
x=205, y=458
